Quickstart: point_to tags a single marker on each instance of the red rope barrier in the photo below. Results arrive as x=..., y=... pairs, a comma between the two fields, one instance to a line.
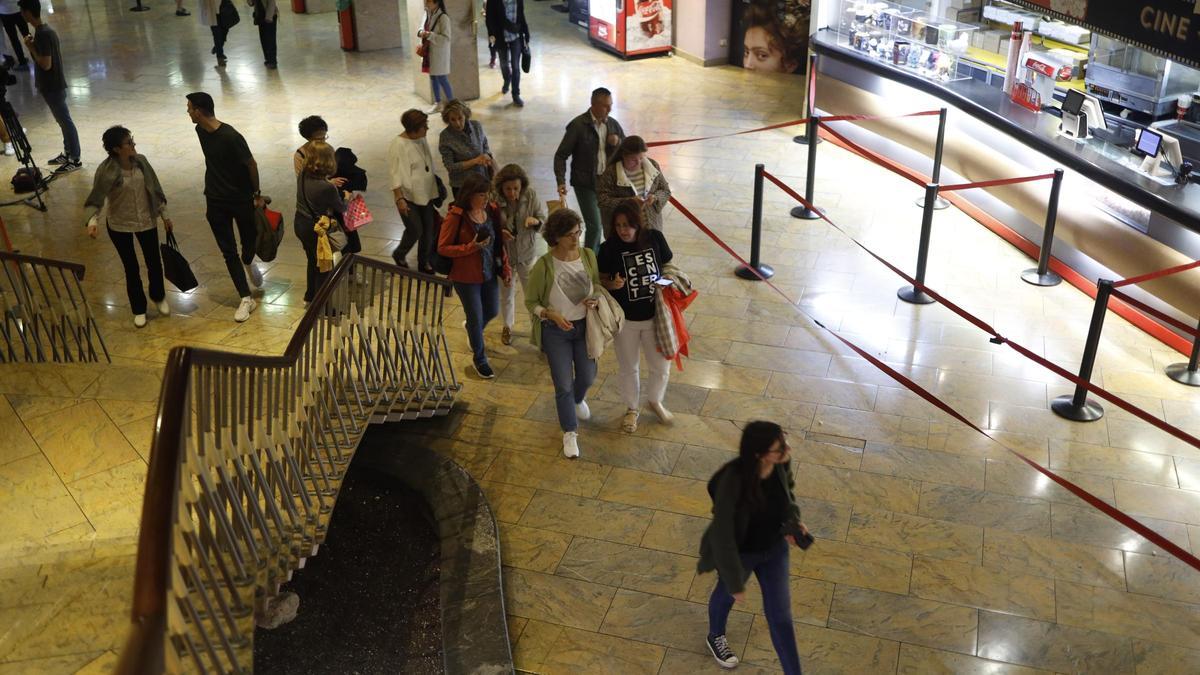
x=1161, y=316
x=792, y=123
x=993, y=183
x=870, y=118
x=1089, y=498
x=1150, y=276
x=868, y=155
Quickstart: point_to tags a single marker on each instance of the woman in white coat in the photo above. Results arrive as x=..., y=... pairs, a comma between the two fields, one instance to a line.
x=210, y=15
x=435, y=37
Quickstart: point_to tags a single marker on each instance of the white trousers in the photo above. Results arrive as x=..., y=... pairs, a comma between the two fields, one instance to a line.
x=637, y=338
x=508, y=294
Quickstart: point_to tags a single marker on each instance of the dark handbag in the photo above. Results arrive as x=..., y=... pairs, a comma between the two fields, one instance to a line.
x=175, y=267
x=525, y=58
x=227, y=15
x=441, y=264
x=270, y=233
x=441, y=188
x=259, y=14
x=26, y=179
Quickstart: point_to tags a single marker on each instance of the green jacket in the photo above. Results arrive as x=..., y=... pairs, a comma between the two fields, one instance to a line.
x=719, y=545
x=541, y=280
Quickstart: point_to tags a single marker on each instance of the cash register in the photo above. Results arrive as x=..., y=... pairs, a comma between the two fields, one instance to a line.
x=1080, y=114
x=1154, y=148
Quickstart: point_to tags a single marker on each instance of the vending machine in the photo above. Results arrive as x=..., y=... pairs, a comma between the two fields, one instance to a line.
x=631, y=27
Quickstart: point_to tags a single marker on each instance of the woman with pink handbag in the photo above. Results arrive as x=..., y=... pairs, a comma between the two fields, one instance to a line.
x=348, y=177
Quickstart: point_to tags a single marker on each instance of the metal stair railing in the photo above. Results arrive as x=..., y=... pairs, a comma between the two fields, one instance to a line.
x=44, y=314
x=249, y=453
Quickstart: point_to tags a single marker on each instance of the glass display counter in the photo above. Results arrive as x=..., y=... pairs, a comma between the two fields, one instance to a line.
x=905, y=38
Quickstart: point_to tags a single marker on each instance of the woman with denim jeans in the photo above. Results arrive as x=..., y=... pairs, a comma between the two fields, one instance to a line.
x=435, y=35
x=473, y=236
x=561, y=289
x=752, y=506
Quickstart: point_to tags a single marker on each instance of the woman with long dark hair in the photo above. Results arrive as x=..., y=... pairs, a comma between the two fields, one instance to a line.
x=753, y=505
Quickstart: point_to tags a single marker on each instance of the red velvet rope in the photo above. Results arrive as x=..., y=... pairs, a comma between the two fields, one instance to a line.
x=993, y=183
x=1189, y=330
x=872, y=157
x=1150, y=276
x=791, y=123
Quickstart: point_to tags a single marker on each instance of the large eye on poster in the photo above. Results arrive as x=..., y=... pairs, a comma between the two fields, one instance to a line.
x=770, y=36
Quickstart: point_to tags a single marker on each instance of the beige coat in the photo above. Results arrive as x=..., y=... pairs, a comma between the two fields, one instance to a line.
x=603, y=324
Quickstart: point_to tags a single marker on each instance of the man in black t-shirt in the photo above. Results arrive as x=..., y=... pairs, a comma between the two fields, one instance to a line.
x=231, y=195
x=50, y=80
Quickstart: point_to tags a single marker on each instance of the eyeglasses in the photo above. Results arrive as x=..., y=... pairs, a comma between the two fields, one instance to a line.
x=129, y=142
x=574, y=233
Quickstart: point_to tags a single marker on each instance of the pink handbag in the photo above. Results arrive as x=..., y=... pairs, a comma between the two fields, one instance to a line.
x=357, y=214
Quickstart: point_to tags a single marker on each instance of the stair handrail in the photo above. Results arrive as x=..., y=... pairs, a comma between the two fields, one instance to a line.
x=39, y=313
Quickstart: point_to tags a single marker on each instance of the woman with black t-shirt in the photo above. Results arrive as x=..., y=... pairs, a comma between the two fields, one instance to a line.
x=753, y=507
x=631, y=261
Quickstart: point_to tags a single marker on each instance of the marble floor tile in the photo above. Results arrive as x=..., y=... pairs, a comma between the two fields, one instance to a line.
x=17, y=441
x=893, y=401
x=557, y=600
x=810, y=599
x=80, y=441
x=1129, y=614
x=80, y=626
x=855, y=487
x=655, y=491
x=579, y=651
x=814, y=450
x=532, y=549
x=606, y=520
x=679, y=662
x=52, y=665
x=739, y=407
x=1153, y=501
x=669, y=622
x=112, y=499
x=917, y=535
x=822, y=390
x=924, y=465
x=674, y=532
x=34, y=503
x=1084, y=525
x=918, y=660
x=1042, y=421
x=1188, y=471
x=535, y=644
x=1022, y=480
x=872, y=426
x=983, y=588
x=701, y=463
x=1162, y=576
x=985, y=509
x=630, y=567
x=777, y=359
x=508, y=502
x=33, y=379
x=1027, y=554
x=1040, y=644
x=1155, y=657
x=997, y=445
x=557, y=474
x=1144, y=438
x=711, y=375
x=823, y=650
x=904, y=619
x=862, y=566
x=825, y=520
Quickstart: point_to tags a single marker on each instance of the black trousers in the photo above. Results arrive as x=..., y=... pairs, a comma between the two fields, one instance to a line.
x=510, y=63
x=418, y=230
x=221, y=217
x=148, y=239
x=266, y=35
x=314, y=278
x=219, y=34
x=13, y=23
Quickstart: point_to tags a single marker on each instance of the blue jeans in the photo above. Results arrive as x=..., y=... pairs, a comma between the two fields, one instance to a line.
x=481, y=304
x=510, y=63
x=57, y=100
x=771, y=569
x=589, y=209
x=570, y=368
x=442, y=81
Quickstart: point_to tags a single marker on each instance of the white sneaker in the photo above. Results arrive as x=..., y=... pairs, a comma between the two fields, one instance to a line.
x=664, y=415
x=163, y=308
x=582, y=411
x=570, y=444
x=9, y=150
x=253, y=275
x=243, y=311
x=139, y=320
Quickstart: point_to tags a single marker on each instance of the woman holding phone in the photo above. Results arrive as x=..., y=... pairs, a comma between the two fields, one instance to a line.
x=473, y=235
x=633, y=175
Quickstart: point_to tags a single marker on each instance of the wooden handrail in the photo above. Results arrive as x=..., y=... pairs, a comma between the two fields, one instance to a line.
x=143, y=650
x=76, y=268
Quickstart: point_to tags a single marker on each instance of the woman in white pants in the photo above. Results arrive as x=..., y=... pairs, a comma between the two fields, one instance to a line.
x=524, y=214
x=630, y=264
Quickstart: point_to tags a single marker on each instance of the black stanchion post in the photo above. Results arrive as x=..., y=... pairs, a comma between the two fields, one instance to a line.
x=1185, y=373
x=1076, y=406
x=936, y=177
x=764, y=271
x=809, y=97
x=139, y=7
x=1042, y=276
x=810, y=179
x=912, y=294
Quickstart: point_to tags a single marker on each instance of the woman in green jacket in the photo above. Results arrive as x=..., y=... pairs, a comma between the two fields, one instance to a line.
x=562, y=287
x=753, y=505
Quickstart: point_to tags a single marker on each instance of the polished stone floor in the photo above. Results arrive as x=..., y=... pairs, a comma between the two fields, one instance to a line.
x=937, y=550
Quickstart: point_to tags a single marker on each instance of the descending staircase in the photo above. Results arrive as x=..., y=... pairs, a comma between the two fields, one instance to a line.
x=45, y=316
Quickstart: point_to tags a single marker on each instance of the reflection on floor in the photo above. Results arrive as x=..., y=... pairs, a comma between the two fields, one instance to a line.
x=937, y=552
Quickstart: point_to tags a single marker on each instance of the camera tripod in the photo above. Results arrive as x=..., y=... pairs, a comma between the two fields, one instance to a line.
x=20, y=143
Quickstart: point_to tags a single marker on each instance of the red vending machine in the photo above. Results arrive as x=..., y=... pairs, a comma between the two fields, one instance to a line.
x=631, y=27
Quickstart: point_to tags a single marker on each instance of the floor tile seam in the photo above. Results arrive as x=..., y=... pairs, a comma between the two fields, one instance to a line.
x=97, y=652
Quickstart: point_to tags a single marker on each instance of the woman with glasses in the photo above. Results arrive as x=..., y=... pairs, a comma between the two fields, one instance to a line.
x=633, y=175
x=128, y=199
x=313, y=128
x=561, y=289
x=414, y=187
x=753, y=507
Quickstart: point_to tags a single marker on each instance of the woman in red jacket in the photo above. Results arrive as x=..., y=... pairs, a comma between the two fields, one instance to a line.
x=469, y=237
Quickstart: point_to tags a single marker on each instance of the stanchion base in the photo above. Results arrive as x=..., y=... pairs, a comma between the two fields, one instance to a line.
x=1180, y=373
x=804, y=213
x=1047, y=279
x=803, y=140
x=938, y=204
x=746, y=272
x=139, y=8
x=911, y=295
x=1090, y=411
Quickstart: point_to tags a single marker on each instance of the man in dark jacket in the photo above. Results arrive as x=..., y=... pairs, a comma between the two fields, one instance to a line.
x=509, y=34
x=589, y=141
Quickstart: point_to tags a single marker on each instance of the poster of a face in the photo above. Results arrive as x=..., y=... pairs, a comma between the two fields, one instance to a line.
x=770, y=35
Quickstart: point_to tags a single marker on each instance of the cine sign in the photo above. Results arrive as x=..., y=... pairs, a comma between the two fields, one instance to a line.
x=1170, y=26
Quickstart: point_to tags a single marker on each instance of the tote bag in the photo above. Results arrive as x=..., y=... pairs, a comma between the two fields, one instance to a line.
x=175, y=267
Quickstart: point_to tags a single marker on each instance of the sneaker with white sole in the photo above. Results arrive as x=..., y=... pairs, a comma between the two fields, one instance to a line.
x=69, y=166
x=60, y=159
x=719, y=646
x=484, y=370
x=570, y=444
x=9, y=150
x=139, y=320
x=253, y=275
x=247, y=306
x=582, y=411
x=163, y=308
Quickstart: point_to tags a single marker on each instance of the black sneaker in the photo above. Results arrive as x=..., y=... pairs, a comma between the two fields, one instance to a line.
x=719, y=646
x=182, y=12
x=517, y=101
x=69, y=166
x=60, y=159
x=484, y=370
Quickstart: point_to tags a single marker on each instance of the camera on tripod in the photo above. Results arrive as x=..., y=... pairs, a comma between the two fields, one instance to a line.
x=28, y=178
